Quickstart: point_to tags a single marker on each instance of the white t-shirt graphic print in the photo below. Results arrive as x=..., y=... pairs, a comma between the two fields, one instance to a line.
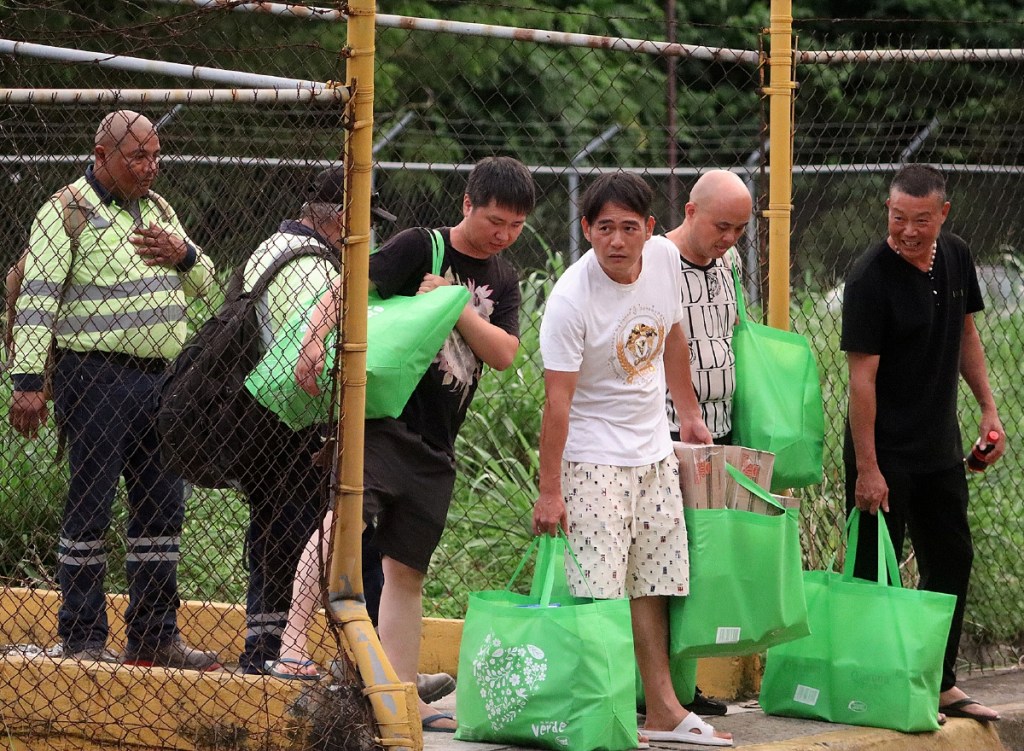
x=613, y=335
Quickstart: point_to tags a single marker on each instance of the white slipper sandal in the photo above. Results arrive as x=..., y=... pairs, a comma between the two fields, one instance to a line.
x=692, y=729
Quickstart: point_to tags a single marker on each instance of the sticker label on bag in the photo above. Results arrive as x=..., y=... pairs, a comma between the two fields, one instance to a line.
x=806, y=695
x=727, y=635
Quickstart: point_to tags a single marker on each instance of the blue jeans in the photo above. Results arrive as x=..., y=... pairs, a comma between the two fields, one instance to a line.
x=107, y=413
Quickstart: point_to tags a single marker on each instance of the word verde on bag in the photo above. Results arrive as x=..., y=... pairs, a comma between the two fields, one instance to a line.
x=508, y=677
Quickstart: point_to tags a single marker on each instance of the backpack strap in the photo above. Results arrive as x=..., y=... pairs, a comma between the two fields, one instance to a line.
x=289, y=255
x=162, y=206
x=76, y=214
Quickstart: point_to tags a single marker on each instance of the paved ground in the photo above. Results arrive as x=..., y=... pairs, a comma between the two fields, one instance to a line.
x=753, y=730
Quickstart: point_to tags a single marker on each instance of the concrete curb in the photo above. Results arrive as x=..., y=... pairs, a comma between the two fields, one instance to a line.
x=1011, y=727
x=755, y=731
x=956, y=735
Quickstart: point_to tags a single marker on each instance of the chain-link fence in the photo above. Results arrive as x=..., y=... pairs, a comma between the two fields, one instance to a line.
x=569, y=107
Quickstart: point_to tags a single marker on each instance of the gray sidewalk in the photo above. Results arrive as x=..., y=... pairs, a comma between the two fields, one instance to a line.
x=753, y=730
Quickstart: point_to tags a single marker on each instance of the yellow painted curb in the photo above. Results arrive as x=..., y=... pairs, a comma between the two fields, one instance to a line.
x=113, y=704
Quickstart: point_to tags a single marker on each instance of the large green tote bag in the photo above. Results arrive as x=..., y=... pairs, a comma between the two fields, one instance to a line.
x=777, y=403
x=746, y=581
x=874, y=656
x=403, y=333
x=545, y=671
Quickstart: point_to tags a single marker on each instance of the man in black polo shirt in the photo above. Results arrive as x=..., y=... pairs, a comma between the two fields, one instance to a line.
x=908, y=331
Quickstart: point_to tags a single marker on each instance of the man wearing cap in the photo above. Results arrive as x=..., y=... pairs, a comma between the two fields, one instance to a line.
x=107, y=278
x=286, y=487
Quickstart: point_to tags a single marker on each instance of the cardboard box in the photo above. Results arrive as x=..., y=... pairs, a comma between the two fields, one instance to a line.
x=701, y=474
x=757, y=465
x=787, y=501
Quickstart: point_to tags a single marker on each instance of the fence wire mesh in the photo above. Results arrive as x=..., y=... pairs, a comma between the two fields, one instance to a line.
x=233, y=171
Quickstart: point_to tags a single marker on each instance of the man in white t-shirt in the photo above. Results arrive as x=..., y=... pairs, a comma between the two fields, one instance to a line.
x=716, y=216
x=611, y=340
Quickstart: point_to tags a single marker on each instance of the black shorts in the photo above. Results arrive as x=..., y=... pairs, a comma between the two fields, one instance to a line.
x=408, y=489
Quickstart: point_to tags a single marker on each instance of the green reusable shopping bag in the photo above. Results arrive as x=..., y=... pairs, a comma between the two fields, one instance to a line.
x=403, y=333
x=548, y=672
x=874, y=656
x=746, y=581
x=777, y=404
x=683, y=671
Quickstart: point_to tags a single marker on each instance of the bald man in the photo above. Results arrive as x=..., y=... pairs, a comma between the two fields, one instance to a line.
x=715, y=217
x=107, y=277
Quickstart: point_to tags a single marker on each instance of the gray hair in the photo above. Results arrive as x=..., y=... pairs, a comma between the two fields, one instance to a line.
x=319, y=213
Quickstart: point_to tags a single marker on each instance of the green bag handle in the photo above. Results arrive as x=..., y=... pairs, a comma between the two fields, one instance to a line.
x=741, y=305
x=549, y=570
x=888, y=568
x=436, y=251
x=530, y=550
x=747, y=484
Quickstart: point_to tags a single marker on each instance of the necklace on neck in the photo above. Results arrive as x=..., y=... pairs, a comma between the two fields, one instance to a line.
x=931, y=258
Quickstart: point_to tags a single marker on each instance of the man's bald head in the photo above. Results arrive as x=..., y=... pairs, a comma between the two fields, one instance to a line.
x=716, y=217
x=719, y=185
x=126, y=151
x=115, y=126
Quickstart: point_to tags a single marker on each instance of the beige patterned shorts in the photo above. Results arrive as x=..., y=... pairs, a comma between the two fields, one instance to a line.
x=627, y=529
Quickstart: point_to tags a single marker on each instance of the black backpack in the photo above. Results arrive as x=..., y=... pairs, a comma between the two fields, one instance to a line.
x=201, y=405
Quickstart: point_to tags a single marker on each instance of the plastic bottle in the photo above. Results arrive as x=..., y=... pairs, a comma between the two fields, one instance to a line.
x=976, y=460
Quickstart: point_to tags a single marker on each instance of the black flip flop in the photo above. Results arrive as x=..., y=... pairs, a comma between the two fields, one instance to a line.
x=956, y=709
x=428, y=723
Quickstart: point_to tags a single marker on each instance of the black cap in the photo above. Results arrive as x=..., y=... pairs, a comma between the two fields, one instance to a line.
x=329, y=187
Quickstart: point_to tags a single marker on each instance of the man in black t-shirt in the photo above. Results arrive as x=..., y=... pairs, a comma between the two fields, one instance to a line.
x=909, y=333
x=410, y=461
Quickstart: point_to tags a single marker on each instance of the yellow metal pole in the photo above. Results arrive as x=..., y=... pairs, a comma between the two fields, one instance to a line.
x=394, y=703
x=780, y=159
